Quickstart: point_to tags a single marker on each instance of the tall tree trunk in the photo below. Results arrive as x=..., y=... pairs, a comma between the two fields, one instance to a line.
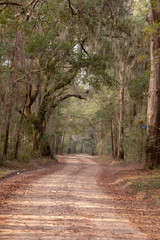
x=8, y=120
x=53, y=146
x=62, y=145
x=75, y=147
x=81, y=149
x=121, y=119
x=115, y=141
x=133, y=112
x=70, y=145
x=41, y=142
x=153, y=111
x=45, y=148
x=93, y=150
x=19, y=130
x=35, y=141
x=17, y=61
x=58, y=144
x=112, y=140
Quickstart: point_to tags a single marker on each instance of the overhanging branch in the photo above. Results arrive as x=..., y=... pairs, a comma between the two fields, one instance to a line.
x=54, y=105
x=67, y=96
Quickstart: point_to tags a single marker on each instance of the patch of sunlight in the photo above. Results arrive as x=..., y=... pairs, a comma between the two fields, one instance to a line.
x=58, y=203
x=52, y=218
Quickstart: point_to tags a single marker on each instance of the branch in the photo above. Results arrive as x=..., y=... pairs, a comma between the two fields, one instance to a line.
x=27, y=74
x=63, y=83
x=82, y=46
x=67, y=96
x=71, y=8
x=33, y=96
x=31, y=2
x=61, y=100
x=20, y=5
x=11, y=3
x=61, y=92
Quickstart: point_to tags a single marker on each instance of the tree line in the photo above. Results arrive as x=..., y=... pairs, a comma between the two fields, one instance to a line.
x=75, y=77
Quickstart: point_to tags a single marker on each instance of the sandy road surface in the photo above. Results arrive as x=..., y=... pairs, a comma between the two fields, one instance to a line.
x=67, y=204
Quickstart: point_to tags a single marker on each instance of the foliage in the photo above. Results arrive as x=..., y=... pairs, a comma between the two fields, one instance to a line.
x=60, y=63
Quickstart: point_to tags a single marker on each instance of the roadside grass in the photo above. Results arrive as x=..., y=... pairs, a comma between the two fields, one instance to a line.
x=144, y=184
x=4, y=172
x=12, y=165
x=104, y=158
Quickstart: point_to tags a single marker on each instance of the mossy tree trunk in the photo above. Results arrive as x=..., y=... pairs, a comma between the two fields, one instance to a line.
x=19, y=130
x=112, y=138
x=121, y=119
x=153, y=112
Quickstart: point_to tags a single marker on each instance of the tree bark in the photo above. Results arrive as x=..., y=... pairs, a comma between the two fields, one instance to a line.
x=115, y=141
x=58, y=144
x=112, y=140
x=121, y=119
x=62, y=145
x=153, y=111
x=53, y=146
x=45, y=147
x=81, y=149
x=17, y=60
x=75, y=147
x=19, y=130
x=70, y=145
x=8, y=120
x=35, y=141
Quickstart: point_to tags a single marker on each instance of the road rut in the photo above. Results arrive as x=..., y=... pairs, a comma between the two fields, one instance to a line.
x=68, y=204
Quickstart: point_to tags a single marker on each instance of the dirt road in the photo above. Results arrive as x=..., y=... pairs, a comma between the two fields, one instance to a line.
x=68, y=204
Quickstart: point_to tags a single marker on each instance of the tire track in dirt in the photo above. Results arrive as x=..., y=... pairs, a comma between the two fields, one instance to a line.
x=67, y=204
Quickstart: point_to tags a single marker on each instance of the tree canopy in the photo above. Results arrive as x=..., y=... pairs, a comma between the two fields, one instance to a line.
x=75, y=77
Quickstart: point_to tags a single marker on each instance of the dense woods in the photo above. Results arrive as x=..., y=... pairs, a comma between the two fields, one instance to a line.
x=80, y=77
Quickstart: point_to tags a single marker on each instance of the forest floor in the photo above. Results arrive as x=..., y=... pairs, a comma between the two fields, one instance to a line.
x=11, y=167
x=82, y=197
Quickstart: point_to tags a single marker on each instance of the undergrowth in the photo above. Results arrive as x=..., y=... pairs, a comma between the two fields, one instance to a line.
x=145, y=186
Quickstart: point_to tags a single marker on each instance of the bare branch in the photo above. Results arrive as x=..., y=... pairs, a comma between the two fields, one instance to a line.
x=33, y=4
x=82, y=46
x=30, y=3
x=71, y=8
x=11, y=3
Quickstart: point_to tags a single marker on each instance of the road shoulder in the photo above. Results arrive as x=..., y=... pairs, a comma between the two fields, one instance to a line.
x=138, y=211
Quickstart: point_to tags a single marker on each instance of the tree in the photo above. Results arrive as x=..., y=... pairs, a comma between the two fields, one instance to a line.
x=153, y=111
x=55, y=50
